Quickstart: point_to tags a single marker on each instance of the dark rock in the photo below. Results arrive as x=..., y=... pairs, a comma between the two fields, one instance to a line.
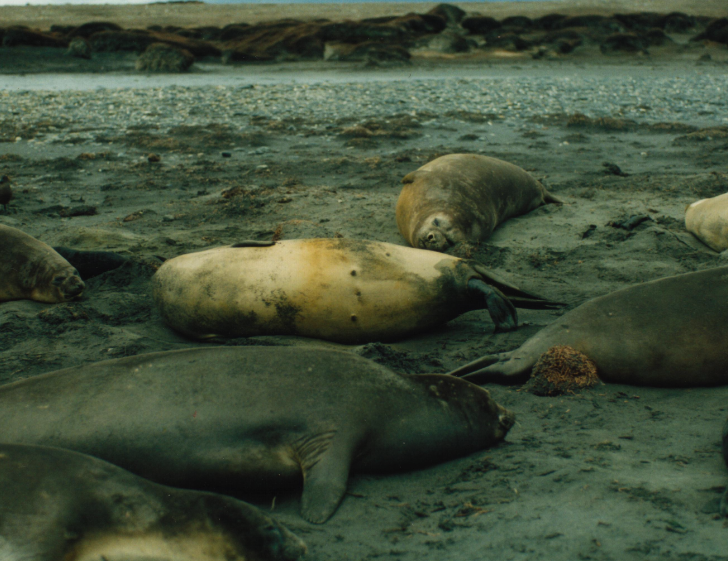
x=447, y=42
x=420, y=23
x=480, y=25
x=302, y=41
x=594, y=22
x=79, y=48
x=139, y=41
x=88, y=29
x=232, y=32
x=365, y=52
x=678, y=22
x=517, y=22
x=450, y=13
x=507, y=40
x=717, y=30
x=22, y=36
x=358, y=32
x=160, y=57
x=623, y=42
x=204, y=33
x=641, y=21
x=549, y=22
x=62, y=29
x=121, y=41
x=656, y=38
x=562, y=41
x=613, y=169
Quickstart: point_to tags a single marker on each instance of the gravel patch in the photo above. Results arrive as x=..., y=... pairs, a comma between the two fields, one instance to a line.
x=695, y=98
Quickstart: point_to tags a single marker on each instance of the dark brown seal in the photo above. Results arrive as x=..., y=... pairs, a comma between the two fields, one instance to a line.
x=348, y=291
x=30, y=269
x=62, y=505
x=724, y=501
x=236, y=419
x=462, y=198
x=6, y=192
x=668, y=332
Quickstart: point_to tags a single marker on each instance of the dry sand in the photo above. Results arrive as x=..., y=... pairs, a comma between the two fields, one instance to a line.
x=194, y=14
x=617, y=472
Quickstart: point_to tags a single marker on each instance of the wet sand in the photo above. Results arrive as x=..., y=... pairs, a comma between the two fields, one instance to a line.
x=616, y=472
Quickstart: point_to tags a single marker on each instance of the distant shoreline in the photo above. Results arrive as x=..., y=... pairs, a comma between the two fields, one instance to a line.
x=197, y=14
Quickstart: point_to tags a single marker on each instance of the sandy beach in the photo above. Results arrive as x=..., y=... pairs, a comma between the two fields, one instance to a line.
x=152, y=166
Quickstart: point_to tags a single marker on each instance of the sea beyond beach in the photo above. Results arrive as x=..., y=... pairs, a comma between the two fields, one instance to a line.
x=270, y=140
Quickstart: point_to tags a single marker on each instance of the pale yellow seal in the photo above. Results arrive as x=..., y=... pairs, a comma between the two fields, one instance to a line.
x=347, y=291
x=707, y=220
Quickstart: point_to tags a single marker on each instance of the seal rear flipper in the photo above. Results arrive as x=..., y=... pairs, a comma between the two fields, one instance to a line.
x=325, y=475
x=519, y=298
x=254, y=243
x=477, y=364
x=548, y=198
x=502, y=312
x=503, y=368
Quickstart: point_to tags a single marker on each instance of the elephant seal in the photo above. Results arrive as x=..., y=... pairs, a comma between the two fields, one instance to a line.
x=90, y=264
x=233, y=419
x=30, y=269
x=58, y=504
x=668, y=332
x=462, y=198
x=347, y=291
x=6, y=192
x=707, y=220
x=724, y=501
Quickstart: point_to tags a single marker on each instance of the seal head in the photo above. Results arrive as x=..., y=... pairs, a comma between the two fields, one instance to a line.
x=438, y=234
x=31, y=269
x=68, y=285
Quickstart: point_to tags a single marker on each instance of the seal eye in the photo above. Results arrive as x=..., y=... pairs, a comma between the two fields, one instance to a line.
x=58, y=281
x=436, y=221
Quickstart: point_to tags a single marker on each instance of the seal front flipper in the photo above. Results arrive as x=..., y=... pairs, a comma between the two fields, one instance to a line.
x=502, y=312
x=325, y=462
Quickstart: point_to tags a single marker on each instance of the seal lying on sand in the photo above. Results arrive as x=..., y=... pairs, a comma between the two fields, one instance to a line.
x=30, y=269
x=669, y=332
x=253, y=418
x=342, y=290
x=462, y=198
x=91, y=264
x=6, y=192
x=62, y=505
x=707, y=220
x=724, y=502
